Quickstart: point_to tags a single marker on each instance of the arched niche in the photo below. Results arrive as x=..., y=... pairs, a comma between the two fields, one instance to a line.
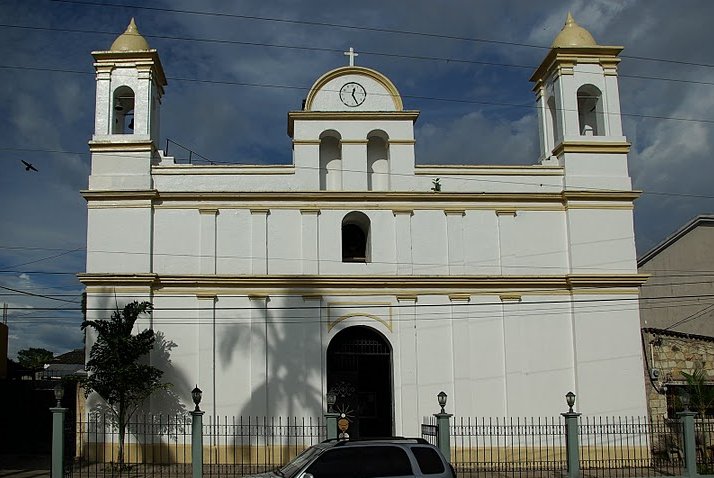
x=590, y=111
x=123, y=110
x=330, y=161
x=356, y=237
x=553, y=123
x=377, y=161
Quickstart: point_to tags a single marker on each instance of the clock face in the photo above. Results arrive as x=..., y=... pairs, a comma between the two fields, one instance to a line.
x=352, y=94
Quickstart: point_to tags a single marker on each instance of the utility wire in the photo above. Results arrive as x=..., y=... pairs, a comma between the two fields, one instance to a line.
x=355, y=27
x=417, y=97
x=336, y=50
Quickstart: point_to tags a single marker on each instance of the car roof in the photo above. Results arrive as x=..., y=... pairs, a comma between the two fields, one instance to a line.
x=372, y=441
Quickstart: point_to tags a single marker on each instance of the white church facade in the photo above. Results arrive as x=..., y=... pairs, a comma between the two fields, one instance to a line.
x=355, y=270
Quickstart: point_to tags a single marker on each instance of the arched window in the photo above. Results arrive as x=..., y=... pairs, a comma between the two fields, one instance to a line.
x=123, y=111
x=355, y=237
x=377, y=161
x=330, y=161
x=553, y=122
x=590, y=111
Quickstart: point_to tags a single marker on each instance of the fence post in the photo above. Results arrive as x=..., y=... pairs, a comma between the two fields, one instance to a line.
x=690, y=446
x=572, y=445
x=58, y=441
x=331, y=423
x=197, y=443
x=443, y=438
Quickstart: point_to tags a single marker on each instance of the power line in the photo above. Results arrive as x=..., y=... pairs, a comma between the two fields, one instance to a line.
x=335, y=50
x=359, y=28
x=417, y=97
x=463, y=178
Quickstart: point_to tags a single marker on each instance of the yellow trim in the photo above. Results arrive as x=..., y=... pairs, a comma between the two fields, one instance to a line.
x=510, y=297
x=403, y=297
x=401, y=141
x=335, y=116
x=305, y=210
x=260, y=211
x=397, y=285
x=605, y=55
x=206, y=296
x=595, y=147
x=460, y=297
x=387, y=305
x=212, y=210
x=454, y=212
x=354, y=70
x=93, y=194
x=403, y=211
x=258, y=296
x=315, y=142
x=122, y=147
x=625, y=196
x=507, y=212
x=311, y=297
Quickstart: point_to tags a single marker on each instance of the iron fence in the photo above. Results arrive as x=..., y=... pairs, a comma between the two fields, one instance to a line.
x=160, y=445
x=487, y=446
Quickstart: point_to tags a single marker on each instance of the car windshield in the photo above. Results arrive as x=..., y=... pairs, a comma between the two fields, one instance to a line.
x=297, y=463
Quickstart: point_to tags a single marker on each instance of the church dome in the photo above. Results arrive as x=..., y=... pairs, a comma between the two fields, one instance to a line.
x=573, y=35
x=130, y=40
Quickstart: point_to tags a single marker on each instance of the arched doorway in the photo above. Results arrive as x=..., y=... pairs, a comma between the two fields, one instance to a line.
x=359, y=371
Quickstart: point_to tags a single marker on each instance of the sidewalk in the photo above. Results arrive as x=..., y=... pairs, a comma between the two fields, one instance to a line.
x=25, y=466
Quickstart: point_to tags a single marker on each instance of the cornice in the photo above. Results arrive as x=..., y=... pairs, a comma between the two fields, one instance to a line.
x=348, y=116
x=595, y=147
x=379, y=199
x=302, y=284
x=122, y=146
x=607, y=56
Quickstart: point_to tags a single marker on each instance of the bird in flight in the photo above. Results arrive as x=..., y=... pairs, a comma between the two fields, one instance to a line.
x=28, y=166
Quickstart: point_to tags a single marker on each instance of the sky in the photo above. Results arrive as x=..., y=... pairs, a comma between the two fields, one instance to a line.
x=235, y=69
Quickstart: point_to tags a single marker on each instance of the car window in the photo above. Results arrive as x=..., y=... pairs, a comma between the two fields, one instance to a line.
x=362, y=462
x=296, y=464
x=428, y=460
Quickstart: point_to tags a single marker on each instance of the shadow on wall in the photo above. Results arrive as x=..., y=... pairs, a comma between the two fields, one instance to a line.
x=286, y=334
x=161, y=418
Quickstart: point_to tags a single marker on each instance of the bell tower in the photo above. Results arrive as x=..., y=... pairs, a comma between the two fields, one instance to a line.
x=130, y=84
x=579, y=103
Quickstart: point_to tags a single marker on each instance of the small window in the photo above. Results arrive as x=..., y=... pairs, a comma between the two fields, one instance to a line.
x=355, y=237
x=428, y=460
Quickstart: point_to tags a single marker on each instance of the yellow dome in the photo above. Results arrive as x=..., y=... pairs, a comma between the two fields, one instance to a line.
x=573, y=34
x=130, y=40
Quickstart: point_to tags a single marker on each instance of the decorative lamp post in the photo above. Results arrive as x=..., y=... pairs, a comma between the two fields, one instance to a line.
x=196, y=396
x=331, y=417
x=59, y=394
x=443, y=439
x=331, y=399
x=58, y=413
x=570, y=400
x=197, y=435
x=442, y=400
x=685, y=400
x=572, y=443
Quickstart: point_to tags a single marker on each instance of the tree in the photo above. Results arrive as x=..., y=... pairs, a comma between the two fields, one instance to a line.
x=34, y=358
x=115, y=367
x=701, y=393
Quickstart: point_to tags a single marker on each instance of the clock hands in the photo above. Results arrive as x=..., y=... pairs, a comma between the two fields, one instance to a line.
x=354, y=88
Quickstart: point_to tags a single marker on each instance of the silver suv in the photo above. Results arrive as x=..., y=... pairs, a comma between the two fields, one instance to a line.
x=391, y=457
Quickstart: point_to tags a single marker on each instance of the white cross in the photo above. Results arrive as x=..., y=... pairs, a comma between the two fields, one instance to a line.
x=352, y=56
